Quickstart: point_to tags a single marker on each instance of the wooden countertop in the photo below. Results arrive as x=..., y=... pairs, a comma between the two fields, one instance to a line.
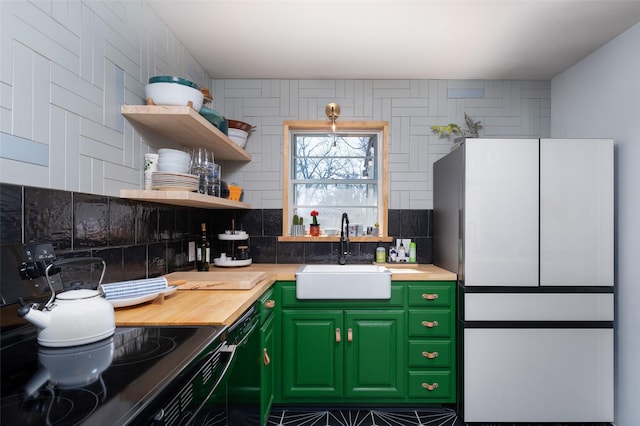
x=223, y=307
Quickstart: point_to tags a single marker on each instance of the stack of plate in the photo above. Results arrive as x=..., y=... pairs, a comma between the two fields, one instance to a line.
x=171, y=181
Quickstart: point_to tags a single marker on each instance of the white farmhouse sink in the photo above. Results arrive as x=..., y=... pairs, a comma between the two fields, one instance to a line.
x=343, y=282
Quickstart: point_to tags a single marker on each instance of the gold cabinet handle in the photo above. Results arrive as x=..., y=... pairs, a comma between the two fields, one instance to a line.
x=430, y=296
x=429, y=324
x=265, y=357
x=430, y=355
x=430, y=387
x=270, y=304
x=350, y=335
x=337, y=335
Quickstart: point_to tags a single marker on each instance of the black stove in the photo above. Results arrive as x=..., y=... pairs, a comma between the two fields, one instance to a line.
x=122, y=380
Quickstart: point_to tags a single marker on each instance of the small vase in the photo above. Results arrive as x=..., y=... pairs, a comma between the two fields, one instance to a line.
x=297, y=230
x=314, y=230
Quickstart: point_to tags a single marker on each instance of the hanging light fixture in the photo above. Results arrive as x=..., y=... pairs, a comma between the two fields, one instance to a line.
x=333, y=112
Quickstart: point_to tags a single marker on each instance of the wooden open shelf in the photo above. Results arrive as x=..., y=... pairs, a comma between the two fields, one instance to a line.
x=184, y=125
x=183, y=198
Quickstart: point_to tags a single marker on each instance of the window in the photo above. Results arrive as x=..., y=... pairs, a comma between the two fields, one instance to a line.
x=335, y=173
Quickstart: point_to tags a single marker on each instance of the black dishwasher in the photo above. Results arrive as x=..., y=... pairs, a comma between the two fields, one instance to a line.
x=236, y=402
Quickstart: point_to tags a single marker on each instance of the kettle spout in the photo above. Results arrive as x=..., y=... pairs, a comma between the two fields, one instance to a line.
x=38, y=318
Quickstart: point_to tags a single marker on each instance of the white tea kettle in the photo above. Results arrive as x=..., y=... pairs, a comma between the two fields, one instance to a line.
x=74, y=317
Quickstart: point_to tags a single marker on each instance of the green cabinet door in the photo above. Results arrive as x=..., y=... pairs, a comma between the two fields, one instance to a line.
x=312, y=354
x=375, y=359
x=266, y=369
x=336, y=354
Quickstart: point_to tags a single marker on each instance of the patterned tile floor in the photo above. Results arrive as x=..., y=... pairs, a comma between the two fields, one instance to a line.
x=384, y=417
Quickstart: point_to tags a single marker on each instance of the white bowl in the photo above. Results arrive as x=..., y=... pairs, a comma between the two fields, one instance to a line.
x=173, y=94
x=238, y=136
x=167, y=152
x=173, y=167
x=331, y=232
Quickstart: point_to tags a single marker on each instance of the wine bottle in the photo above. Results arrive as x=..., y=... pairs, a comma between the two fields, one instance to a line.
x=203, y=251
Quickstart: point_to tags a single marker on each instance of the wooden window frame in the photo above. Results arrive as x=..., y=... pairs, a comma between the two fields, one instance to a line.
x=341, y=126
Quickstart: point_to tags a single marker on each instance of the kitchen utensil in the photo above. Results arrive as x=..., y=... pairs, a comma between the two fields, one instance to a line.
x=73, y=317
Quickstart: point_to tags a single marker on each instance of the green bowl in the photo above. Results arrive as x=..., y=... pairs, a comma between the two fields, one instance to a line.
x=215, y=118
x=172, y=79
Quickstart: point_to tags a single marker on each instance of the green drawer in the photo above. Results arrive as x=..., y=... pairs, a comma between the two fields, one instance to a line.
x=431, y=386
x=430, y=323
x=426, y=295
x=289, y=300
x=430, y=353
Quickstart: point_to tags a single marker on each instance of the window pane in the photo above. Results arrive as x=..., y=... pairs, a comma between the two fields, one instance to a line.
x=343, y=157
x=335, y=194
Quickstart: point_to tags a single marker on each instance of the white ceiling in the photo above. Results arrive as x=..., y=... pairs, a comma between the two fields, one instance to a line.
x=394, y=39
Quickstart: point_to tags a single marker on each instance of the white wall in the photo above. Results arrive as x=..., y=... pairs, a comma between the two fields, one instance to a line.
x=66, y=67
x=598, y=97
x=505, y=107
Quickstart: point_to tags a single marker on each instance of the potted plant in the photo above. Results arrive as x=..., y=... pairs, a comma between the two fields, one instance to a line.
x=472, y=129
x=314, y=228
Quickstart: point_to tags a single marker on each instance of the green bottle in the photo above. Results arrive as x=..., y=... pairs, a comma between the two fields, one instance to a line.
x=203, y=251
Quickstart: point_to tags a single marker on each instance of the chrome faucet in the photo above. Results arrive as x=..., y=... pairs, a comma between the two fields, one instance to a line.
x=344, y=240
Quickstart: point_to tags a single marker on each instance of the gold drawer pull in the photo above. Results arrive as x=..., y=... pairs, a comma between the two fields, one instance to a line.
x=430, y=387
x=432, y=296
x=350, y=335
x=430, y=324
x=270, y=304
x=266, y=358
x=430, y=355
x=337, y=335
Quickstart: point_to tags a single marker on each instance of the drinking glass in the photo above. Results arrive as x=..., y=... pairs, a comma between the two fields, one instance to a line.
x=199, y=165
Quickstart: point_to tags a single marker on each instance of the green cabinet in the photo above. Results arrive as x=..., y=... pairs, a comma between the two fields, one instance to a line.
x=336, y=354
x=266, y=306
x=431, y=343
x=399, y=351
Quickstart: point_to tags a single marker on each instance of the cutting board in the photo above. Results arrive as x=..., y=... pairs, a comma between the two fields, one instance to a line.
x=192, y=280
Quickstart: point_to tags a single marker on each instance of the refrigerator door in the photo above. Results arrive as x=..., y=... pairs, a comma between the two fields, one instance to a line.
x=538, y=375
x=501, y=223
x=576, y=212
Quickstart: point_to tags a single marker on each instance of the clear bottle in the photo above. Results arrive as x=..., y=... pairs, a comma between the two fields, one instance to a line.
x=203, y=251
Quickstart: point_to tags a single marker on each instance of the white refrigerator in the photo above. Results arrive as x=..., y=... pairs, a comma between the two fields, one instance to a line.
x=527, y=224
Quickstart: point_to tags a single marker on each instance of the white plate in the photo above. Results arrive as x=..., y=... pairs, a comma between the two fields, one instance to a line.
x=169, y=290
x=131, y=301
x=174, y=188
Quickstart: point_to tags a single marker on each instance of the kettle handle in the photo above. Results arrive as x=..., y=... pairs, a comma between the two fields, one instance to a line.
x=75, y=260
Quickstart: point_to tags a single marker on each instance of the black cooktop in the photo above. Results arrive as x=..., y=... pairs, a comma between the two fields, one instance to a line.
x=109, y=382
